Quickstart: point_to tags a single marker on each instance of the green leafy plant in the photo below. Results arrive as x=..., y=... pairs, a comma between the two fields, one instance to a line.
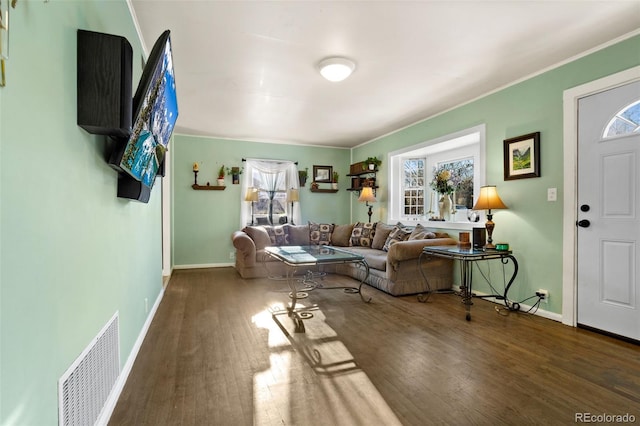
x=373, y=160
x=336, y=176
x=221, y=172
x=231, y=171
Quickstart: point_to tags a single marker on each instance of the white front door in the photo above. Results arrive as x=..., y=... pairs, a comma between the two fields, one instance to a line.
x=609, y=213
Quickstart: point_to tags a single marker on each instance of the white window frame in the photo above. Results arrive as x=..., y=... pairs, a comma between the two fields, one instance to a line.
x=463, y=144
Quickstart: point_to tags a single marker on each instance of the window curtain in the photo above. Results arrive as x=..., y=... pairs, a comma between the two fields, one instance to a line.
x=272, y=178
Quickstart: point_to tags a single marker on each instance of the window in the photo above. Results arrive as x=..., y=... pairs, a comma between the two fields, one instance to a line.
x=413, y=187
x=625, y=122
x=271, y=180
x=412, y=196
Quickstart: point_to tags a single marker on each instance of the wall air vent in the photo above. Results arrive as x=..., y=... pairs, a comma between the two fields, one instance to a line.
x=84, y=388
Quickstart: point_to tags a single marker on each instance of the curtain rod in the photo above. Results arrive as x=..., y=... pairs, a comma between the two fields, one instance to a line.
x=261, y=159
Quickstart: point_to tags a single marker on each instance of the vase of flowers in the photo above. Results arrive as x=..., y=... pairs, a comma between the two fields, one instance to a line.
x=442, y=183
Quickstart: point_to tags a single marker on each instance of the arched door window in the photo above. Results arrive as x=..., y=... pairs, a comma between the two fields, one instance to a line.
x=625, y=122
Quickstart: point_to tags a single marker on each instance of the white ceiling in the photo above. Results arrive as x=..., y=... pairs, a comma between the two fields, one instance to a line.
x=248, y=70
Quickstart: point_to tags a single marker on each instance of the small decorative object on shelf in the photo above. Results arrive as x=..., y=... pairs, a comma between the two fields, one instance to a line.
x=314, y=185
x=195, y=173
x=334, y=183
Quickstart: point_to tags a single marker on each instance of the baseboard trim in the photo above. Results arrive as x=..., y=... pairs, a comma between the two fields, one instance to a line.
x=110, y=405
x=204, y=265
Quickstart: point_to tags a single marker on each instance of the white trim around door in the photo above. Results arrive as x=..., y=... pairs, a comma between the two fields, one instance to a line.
x=570, y=205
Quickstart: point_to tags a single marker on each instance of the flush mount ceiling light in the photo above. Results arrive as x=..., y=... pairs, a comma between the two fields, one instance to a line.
x=336, y=69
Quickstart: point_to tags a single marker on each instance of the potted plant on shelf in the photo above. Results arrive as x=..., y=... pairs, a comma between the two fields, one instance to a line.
x=334, y=180
x=302, y=176
x=373, y=162
x=221, y=173
x=235, y=173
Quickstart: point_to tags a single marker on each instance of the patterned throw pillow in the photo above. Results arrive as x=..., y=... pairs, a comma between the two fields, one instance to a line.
x=399, y=233
x=421, y=233
x=320, y=233
x=278, y=235
x=362, y=234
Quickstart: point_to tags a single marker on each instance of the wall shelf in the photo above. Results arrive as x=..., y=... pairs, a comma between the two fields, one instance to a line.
x=328, y=191
x=208, y=187
x=361, y=178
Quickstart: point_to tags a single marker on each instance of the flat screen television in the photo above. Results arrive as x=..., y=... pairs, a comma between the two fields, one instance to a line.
x=155, y=111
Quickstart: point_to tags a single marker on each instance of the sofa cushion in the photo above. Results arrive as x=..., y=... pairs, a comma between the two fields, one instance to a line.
x=298, y=234
x=381, y=235
x=362, y=234
x=278, y=235
x=259, y=236
x=421, y=233
x=341, y=235
x=320, y=233
x=399, y=233
x=376, y=259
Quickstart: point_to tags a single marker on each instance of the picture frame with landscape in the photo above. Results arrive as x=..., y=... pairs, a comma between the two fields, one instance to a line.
x=323, y=174
x=522, y=157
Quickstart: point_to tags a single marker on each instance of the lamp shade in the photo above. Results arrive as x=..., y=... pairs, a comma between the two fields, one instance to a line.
x=293, y=195
x=336, y=69
x=367, y=195
x=251, y=195
x=489, y=199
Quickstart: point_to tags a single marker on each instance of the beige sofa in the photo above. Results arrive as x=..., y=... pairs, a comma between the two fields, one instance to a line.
x=391, y=251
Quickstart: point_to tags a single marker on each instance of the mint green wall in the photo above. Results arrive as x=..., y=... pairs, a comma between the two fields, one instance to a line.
x=204, y=220
x=532, y=226
x=72, y=253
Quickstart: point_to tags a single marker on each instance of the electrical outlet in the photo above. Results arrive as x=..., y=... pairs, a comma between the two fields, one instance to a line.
x=543, y=294
x=552, y=194
x=232, y=255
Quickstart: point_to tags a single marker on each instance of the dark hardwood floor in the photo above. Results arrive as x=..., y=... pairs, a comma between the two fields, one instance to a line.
x=214, y=355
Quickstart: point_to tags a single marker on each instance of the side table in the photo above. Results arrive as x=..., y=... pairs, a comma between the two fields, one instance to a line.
x=466, y=258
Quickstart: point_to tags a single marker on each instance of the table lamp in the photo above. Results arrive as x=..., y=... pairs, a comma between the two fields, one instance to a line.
x=251, y=195
x=292, y=196
x=488, y=200
x=366, y=196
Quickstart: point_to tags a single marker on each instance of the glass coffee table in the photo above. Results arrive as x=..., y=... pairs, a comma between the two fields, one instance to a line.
x=299, y=257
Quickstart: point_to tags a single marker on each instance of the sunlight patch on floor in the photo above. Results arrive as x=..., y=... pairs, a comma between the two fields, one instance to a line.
x=313, y=378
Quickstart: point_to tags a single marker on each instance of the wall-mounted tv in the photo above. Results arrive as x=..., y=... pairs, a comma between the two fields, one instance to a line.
x=155, y=107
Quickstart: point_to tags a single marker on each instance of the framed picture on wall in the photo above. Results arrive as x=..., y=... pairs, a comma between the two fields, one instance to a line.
x=322, y=174
x=522, y=157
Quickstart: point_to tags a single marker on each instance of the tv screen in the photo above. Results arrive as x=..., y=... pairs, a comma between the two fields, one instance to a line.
x=155, y=107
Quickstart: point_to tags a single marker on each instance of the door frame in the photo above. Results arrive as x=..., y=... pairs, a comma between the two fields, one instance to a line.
x=570, y=200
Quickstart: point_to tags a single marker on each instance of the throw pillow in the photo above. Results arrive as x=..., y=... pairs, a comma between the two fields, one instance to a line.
x=399, y=233
x=421, y=233
x=278, y=235
x=362, y=234
x=341, y=235
x=380, y=237
x=298, y=234
x=320, y=233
